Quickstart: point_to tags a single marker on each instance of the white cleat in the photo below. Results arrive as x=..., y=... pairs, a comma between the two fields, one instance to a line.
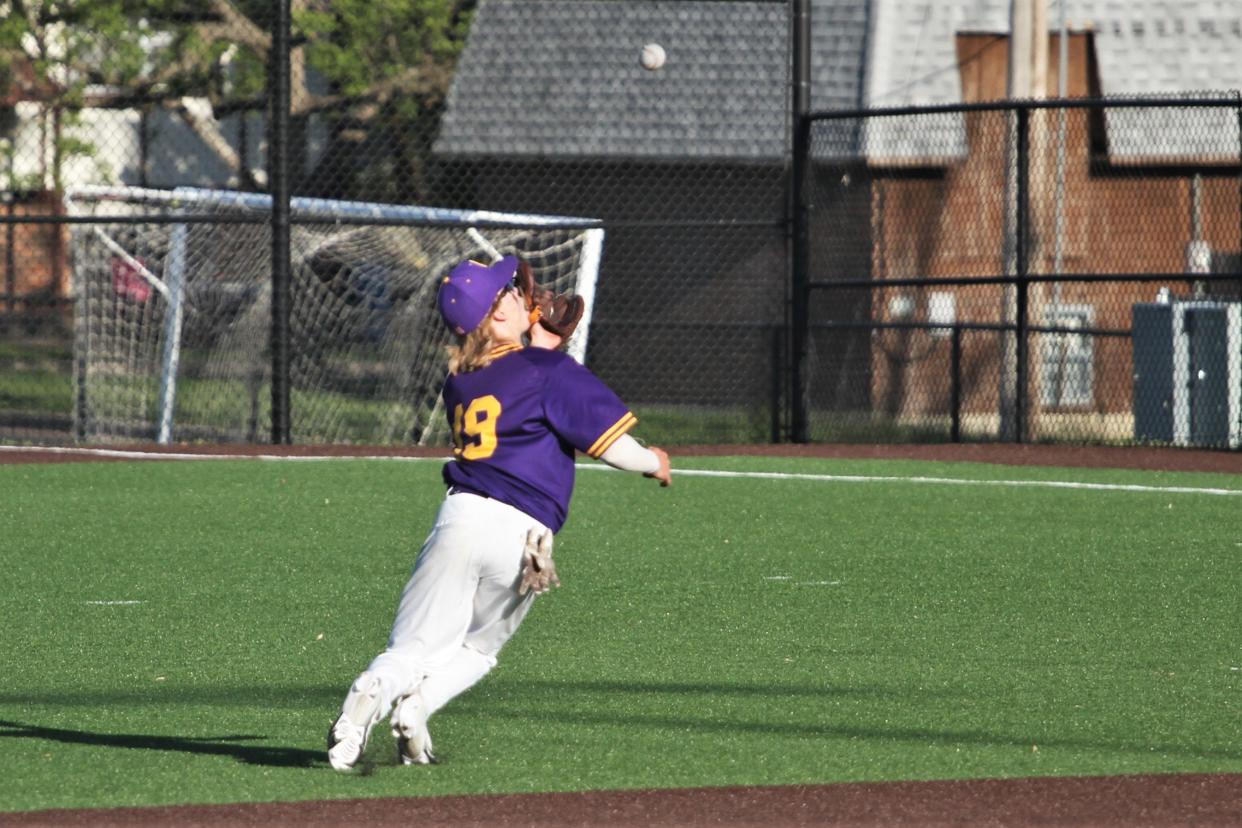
x=347, y=738
x=409, y=728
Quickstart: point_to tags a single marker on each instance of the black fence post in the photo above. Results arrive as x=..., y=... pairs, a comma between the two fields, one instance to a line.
x=1023, y=265
x=778, y=380
x=10, y=253
x=1238, y=110
x=797, y=235
x=278, y=178
x=955, y=385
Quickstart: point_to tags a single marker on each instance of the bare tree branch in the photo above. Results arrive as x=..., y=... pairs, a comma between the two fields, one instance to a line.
x=418, y=80
x=197, y=113
x=237, y=28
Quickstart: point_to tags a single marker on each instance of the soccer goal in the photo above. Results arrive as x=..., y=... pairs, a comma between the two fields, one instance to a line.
x=173, y=311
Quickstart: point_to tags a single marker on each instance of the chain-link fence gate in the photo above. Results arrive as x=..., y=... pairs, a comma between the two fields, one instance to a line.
x=1035, y=272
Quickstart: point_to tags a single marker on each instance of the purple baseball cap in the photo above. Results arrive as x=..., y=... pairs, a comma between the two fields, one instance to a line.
x=470, y=290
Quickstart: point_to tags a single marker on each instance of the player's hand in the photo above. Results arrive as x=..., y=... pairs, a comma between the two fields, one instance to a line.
x=541, y=337
x=554, y=319
x=665, y=473
x=538, y=570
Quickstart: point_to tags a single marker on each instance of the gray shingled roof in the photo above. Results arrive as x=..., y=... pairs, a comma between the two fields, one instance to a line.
x=1144, y=47
x=839, y=52
x=561, y=78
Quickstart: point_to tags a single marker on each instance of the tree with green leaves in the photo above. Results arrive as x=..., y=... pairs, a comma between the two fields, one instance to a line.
x=370, y=75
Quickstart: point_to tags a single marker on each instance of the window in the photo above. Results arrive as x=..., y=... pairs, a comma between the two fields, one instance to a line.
x=1067, y=369
x=941, y=309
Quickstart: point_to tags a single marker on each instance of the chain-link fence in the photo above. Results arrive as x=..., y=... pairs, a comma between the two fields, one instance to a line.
x=1058, y=272
x=688, y=317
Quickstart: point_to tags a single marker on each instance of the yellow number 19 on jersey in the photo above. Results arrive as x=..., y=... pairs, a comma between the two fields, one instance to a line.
x=478, y=423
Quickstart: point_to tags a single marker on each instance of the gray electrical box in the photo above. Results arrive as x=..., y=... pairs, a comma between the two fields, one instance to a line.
x=1188, y=372
x=1151, y=327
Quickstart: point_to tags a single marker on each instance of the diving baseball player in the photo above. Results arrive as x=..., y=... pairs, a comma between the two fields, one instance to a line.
x=518, y=413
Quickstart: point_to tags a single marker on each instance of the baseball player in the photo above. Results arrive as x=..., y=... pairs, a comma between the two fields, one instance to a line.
x=517, y=415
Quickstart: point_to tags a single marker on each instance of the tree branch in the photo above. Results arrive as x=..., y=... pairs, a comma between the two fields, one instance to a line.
x=198, y=114
x=238, y=28
x=413, y=81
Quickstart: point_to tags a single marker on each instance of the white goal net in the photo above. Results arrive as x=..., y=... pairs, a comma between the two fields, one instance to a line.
x=173, y=311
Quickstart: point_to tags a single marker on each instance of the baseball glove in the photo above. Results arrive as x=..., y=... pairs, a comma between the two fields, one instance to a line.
x=538, y=570
x=536, y=298
x=557, y=313
x=530, y=290
x=561, y=314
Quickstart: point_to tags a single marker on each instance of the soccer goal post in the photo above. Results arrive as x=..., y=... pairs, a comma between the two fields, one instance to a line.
x=173, y=311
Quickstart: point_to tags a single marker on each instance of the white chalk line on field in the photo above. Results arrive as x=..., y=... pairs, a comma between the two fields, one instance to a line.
x=942, y=481
x=185, y=455
x=677, y=472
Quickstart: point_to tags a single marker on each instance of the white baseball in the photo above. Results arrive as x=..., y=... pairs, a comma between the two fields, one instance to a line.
x=653, y=56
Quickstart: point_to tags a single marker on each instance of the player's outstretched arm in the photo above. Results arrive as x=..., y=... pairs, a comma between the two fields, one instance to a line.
x=628, y=454
x=665, y=473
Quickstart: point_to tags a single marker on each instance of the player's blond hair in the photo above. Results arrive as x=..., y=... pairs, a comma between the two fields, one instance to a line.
x=472, y=351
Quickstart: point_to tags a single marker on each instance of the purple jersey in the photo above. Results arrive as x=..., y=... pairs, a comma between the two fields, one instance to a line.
x=517, y=422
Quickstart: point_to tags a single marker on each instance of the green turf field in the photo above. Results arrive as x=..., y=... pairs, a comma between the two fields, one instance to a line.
x=184, y=632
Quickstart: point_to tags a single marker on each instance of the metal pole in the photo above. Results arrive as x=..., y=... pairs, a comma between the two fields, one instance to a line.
x=10, y=256
x=174, y=313
x=278, y=175
x=955, y=385
x=1039, y=48
x=1018, y=88
x=10, y=238
x=796, y=218
x=1062, y=91
x=1021, y=19
x=1238, y=93
x=1022, y=242
x=778, y=381
x=1062, y=52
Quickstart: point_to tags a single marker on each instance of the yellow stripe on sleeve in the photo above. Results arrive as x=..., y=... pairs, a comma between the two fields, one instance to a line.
x=611, y=435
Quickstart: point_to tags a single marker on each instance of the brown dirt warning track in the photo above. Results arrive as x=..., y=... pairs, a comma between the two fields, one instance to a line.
x=1175, y=800
x=1150, y=800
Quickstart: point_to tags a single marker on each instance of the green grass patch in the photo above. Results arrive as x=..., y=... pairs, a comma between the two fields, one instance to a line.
x=184, y=632
x=36, y=377
x=36, y=391
x=33, y=351
x=673, y=425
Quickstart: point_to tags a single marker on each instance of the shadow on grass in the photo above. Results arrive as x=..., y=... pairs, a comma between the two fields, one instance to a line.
x=913, y=735
x=815, y=723
x=805, y=729
x=765, y=689
x=215, y=695
x=208, y=745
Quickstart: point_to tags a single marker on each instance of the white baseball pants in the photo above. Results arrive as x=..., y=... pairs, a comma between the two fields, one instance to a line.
x=460, y=604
